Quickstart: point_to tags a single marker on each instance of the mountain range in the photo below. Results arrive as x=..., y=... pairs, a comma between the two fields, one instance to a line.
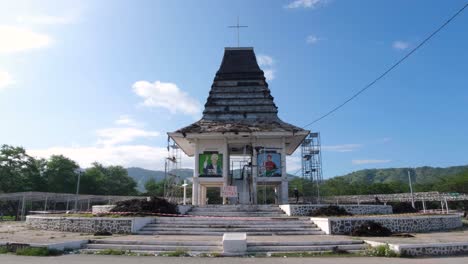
x=419, y=175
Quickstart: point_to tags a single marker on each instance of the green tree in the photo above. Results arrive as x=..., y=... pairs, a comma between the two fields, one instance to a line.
x=111, y=180
x=61, y=174
x=18, y=171
x=154, y=188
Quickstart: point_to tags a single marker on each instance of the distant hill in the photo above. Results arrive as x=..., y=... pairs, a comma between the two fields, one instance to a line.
x=420, y=175
x=141, y=176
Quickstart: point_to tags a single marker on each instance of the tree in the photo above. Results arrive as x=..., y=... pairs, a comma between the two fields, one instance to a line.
x=154, y=188
x=18, y=171
x=111, y=180
x=61, y=174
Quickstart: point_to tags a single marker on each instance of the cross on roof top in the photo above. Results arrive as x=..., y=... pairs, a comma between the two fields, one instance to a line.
x=238, y=29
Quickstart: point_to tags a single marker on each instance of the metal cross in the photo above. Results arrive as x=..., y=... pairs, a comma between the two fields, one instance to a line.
x=238, y=29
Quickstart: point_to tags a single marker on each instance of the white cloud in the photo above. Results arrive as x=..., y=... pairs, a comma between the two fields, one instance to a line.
x=46, y=20
x=294, y=163
x=400, y=45
x=17, y=39
x=5, y=79
x=369, y=161
x=127, y=120
x=305, y=4
x=168, y=96
x=117, y=135
x=342, y=148
x=265, y=60
x=311, y=39
x=269, y=74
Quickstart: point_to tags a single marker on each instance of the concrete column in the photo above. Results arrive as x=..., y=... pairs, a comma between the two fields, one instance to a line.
x=254, y=175
x=284, y=176
x=225, y=152
x=195, y=188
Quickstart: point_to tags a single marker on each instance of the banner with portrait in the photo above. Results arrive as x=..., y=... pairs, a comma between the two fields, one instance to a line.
x=269, y=164
x=210, y=165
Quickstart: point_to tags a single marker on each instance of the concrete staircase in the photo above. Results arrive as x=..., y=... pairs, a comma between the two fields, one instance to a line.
x=154, y=247
x=238, y=211
x=305, y=246
x=215, y=220
x=219, y=226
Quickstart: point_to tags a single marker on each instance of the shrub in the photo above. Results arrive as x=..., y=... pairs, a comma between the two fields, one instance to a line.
x=142, y=206
x=381, y=251
x=38, y=251
x=3, y=250
x=403, y=208
x=330, y=210
x=371, y=228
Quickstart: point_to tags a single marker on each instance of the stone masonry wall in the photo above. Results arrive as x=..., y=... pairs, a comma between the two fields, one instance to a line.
x=305, y=209
x=444, y=249
x=81, y=224
x=406, y=224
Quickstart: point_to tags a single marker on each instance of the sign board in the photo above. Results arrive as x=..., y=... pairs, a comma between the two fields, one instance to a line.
x=210, y=165
x=229, y=191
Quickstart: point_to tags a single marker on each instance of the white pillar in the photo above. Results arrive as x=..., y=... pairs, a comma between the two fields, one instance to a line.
x=225, y=152
x=284, y=175
x=254, y=175
x=195, y=184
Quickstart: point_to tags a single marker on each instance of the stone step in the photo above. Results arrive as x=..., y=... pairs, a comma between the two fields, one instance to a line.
x=307, y=243
x=237, y=214
x=157, y=242
x=228, y=225
x=305, y=248
x=230, y=220
x=233, y=229
x=216, y=233
x=154, y=247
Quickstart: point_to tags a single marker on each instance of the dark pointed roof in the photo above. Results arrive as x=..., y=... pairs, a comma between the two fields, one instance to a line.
x=239, y=99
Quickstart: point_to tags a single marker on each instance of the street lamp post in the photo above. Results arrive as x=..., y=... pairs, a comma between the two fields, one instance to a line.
x=411, y=189
x=77, y=190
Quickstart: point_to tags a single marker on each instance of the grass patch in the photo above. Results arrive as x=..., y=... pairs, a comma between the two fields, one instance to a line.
x=7, y=218
x=113, y=252
x=177, y=253
x=381, y=251
x=3, y=250
x=38, y=251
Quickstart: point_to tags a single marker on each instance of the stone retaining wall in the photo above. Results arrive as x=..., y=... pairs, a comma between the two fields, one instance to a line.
x=122, y=225
x=397, y=224
x=443, y=249
x=355, y=209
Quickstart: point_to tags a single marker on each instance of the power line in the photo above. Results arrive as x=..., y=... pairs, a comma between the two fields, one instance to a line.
x=389, y=69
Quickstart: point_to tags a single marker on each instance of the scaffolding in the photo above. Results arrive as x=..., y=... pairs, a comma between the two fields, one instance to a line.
x=311, y=168
x=171, y=168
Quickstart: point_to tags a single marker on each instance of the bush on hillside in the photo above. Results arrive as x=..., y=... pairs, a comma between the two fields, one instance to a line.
x=146, y=206
x=330, y=210
x=372, y=229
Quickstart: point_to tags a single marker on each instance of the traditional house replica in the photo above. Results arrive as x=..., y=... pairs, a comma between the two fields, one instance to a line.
x=240, y=144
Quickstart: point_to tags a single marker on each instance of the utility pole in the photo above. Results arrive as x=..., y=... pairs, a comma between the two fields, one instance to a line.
x=411, y=189
x=77, y=190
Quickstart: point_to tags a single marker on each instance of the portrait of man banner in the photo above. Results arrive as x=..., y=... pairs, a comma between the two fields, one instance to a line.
x=210, y=165
x=269, y=164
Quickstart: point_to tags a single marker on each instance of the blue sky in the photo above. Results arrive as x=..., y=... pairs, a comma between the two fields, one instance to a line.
x=105, y=80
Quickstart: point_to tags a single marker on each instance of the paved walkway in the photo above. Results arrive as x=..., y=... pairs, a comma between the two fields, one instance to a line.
x=79, y=259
